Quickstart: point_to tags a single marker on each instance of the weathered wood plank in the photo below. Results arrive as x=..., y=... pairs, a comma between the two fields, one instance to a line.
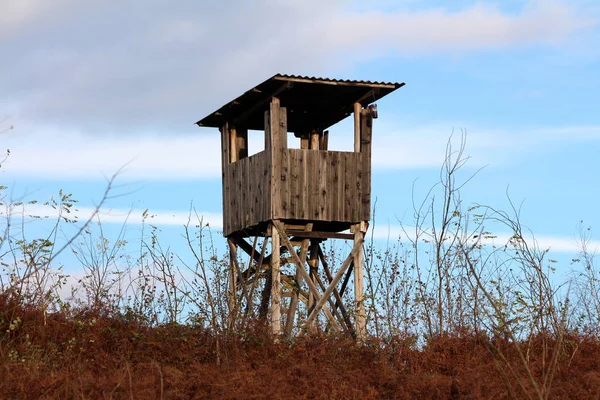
x=304, y=182
x=365, y=164
x=357, y=112
x=324, y=142
x=283, y=180
x=242, y=142
x=360, y=321
x=275, y=284
x=275, y=146
x=325, y=204
x=319, y=235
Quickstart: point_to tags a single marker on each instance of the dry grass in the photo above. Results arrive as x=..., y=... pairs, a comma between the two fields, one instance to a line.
x=97, y=355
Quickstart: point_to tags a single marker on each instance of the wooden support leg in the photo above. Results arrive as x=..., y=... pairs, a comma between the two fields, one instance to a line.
x=275, y=283
x=360, y=321
x=233, y=283
x=314, y=266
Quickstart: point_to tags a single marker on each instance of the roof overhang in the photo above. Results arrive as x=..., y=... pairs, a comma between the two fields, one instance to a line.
x=312, y=103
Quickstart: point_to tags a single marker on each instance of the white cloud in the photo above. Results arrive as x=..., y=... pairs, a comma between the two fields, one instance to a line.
x=481, y=26
x=181, y=157
x=106, y=67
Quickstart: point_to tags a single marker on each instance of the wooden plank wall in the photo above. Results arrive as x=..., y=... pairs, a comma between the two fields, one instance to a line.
x=319, y=185
x=246, y=191
x=302, y=184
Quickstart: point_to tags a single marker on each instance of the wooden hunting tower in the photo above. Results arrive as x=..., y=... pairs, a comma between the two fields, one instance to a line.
x=297, y=197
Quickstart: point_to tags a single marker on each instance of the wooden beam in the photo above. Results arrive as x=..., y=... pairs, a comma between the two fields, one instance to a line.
x=304, y=143
x=314, y=265
x=275, y=285
x=324, y=140
x=242, y=143
x=233, y=284
x=361, y=330
x=319, y=234
x=224, y=177
x=357, y=110
x=233, y=142
x=334, y=282
x=314, y=140
x=365, y=148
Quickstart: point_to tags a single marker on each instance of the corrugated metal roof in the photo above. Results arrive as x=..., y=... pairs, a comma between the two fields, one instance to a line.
x=311, y=102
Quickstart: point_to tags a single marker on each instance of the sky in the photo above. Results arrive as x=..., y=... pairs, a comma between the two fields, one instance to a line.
x=89, y=88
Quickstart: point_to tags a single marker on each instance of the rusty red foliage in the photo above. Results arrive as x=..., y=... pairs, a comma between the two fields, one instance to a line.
x=100, y=355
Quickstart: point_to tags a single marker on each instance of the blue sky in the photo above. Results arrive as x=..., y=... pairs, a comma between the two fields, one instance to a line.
x=90, y=87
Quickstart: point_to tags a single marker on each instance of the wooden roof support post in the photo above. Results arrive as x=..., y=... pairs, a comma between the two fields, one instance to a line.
x=360, y=319
x=357, y=111
x=233, y=142
x=242, y=142
x=324, y=141
x=275, y=283
x=314, y=140
x=224, y=164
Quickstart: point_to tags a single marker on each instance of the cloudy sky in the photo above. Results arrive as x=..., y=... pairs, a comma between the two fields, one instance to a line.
x=92, y=86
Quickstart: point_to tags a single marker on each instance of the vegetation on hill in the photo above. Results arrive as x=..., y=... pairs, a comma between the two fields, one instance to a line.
x=454, y=312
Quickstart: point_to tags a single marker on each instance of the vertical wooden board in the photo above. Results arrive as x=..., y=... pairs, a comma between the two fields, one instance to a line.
x=339, y=188
x=257, y=186
x=356, y=182
x=266, y=194
x=365, y=164
x=233, y=149
x=268, y=131
x=283, y=142
x=357, y=114
x=242, y=144
x=302, y=185
x=309, y=200
x=284, y=183
x=244, y=188
x=283, y=178
x=325, y=200
x=314, y=181
x=275, y=146
x=350, y=197
x=333, y=180
x=358, y=284
x=275, y=283
x=250, y=187
x=234, y=195
x=341, y=185
x=294, y=192
x=224, y=176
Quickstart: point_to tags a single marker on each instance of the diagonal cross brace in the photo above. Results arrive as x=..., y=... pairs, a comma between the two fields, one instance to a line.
x=321, y=301
x=300, y=268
